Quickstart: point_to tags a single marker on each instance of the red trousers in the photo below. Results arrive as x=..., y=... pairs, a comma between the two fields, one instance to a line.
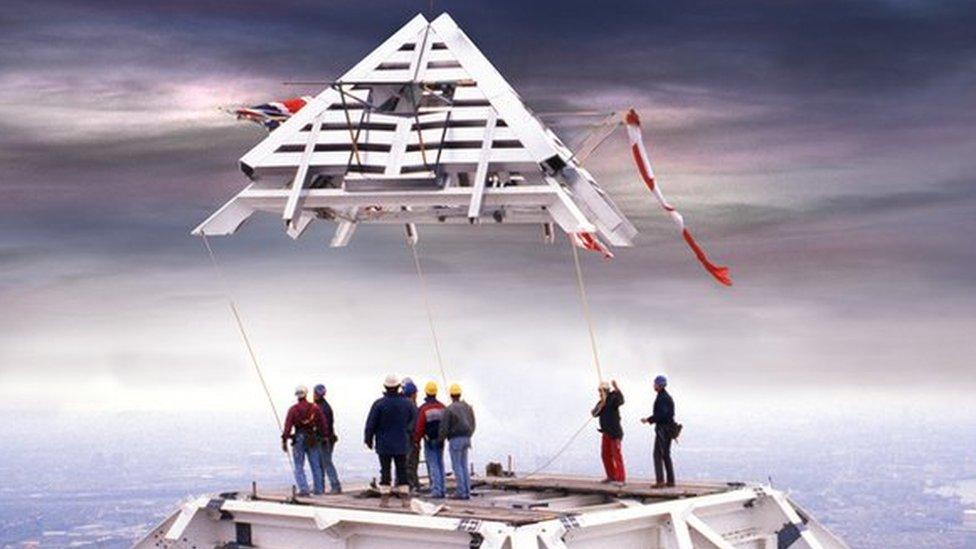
x=613, y=460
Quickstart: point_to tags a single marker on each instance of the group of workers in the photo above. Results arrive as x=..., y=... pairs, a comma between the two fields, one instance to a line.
x=665, y=430
x=397, y=428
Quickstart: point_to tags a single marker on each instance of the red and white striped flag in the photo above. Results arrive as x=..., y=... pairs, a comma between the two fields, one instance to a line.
x=588, y=241
x=720, y=273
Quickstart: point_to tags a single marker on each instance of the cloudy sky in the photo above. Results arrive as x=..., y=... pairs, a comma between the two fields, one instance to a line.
x=825, y=151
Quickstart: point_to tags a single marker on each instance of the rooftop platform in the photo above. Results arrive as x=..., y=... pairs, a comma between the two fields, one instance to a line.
x=510, y=500
x=507, y=512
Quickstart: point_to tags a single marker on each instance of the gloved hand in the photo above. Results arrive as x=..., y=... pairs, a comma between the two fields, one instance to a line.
x=369, y=444
x=284, y=445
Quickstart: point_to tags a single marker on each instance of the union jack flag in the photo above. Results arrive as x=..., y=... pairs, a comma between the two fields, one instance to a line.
x=271, y=115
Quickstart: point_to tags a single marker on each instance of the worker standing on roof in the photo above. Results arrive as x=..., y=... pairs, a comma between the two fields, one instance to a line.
x=428, y=430
x=328, y=442
x=664, y=430
x=608, y=410
x=413, y=457
x=457, y=427
x=387, y=433
x=310, y=428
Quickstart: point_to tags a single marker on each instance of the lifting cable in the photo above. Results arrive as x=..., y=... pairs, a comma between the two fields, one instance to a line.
x=430, y=313
x=585, y=304
x=244, y=336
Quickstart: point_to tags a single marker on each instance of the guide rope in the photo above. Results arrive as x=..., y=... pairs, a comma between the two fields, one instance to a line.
x=430, y=313
x=247, y=340
x=562, y=450
x=584, y=303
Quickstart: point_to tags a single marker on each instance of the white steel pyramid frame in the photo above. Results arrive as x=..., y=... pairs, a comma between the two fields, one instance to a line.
x=423, y=130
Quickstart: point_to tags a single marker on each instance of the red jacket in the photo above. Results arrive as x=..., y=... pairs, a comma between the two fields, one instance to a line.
x=428, y=419
x=305, y=416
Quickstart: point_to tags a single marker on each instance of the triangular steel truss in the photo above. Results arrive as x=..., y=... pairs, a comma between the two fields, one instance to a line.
x=423, y=130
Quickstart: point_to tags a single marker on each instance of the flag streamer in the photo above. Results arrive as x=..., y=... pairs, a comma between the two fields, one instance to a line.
x=641, y=159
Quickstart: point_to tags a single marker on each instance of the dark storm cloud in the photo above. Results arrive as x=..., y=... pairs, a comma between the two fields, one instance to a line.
x=822, y=149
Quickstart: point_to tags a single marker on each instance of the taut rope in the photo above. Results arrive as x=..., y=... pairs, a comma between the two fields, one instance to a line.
x=244, y=336
x=430, y=313
x=584, y=302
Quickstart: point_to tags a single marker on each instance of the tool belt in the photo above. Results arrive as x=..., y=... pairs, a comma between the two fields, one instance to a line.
x=311, y=436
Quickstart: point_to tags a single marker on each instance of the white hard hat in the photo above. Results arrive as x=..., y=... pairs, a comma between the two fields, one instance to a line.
x=391, y=381
x=301, y=390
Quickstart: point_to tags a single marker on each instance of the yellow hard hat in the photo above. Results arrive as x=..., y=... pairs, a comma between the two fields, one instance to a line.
x=431, y=388
x=455, y=390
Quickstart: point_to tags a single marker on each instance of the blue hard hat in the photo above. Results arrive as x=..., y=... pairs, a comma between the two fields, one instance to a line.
x=409, y=388
x=320, y=389
x=661, y=380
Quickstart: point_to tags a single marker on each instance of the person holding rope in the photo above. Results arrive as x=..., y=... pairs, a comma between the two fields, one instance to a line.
x=608, y=410
x=664, y=432
x=310, y=429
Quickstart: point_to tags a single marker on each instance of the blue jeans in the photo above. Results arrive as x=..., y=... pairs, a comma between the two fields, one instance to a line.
x=328, y=467
x=299, y=450
x=434, y=454
x=459, y=464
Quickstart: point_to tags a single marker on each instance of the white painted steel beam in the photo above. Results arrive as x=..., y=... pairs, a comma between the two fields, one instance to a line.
x=344, y=231
x=481, y=174
x=711, y=536
x=226, y=220
x=297, y=228
x=791, y=515
x=679, y=529
x=301, y=175
x=274, y=199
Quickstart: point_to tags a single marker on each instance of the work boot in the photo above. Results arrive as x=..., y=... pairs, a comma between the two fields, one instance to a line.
x=384, y=496
x=658, y=485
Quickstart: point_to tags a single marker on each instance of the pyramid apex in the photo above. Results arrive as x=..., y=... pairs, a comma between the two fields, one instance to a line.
x=444, y=16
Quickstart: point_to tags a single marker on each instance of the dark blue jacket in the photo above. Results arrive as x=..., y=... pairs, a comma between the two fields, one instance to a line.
x=329, y=417
x=663, y=410
x=388, y=425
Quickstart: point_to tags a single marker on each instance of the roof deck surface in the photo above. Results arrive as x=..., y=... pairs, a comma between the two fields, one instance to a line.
x=512, y=500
